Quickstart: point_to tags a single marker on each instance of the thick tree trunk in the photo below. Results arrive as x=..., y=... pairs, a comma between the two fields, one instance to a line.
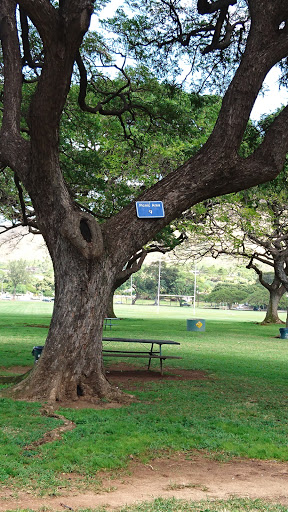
x=272, y=316
x=71, y=363
x=110, y=307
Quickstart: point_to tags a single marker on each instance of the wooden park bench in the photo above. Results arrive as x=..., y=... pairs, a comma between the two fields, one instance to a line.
x=147, y=352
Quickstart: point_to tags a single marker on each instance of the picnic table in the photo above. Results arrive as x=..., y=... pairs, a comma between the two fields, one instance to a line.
x=108, y=322
x=146, y=352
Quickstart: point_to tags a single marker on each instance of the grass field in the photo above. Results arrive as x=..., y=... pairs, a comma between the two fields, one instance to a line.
x=175, y=505
x=241, y=410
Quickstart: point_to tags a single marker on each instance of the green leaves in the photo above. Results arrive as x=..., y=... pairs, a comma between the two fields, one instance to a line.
x=174, y=41
x=107, y=164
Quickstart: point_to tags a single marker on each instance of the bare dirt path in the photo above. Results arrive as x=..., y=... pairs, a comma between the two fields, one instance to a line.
x=192, y=477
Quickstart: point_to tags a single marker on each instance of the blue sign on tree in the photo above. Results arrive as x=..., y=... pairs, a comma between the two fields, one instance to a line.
x=150, y=209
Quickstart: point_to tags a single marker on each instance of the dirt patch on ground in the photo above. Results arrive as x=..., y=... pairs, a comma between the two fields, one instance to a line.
x=41, y=326
x=127, y=374
x=125, y=371
x=189, y=476
x=16, y=369
x=131, y=377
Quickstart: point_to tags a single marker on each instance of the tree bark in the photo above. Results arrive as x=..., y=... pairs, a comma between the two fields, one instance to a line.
x=71, y=364
x=272, y=316
x=110, y=308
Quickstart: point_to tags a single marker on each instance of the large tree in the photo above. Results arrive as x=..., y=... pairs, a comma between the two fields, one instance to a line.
x=17, y=274
x=88, y=255
x=250, y=225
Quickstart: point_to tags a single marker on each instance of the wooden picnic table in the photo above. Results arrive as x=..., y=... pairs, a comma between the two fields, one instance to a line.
x=149, y=353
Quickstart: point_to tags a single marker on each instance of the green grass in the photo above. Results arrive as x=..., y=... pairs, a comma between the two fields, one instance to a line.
x=234, y=505
x=176, y=505
x=241, y=410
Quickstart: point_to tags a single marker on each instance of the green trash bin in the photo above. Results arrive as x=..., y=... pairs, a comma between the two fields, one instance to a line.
x=283, y=333
x=36, y=352
x=196, y=324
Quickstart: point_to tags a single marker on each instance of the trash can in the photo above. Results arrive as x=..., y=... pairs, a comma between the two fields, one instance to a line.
x=283, y=333
x=36, y=352
x=197, y=324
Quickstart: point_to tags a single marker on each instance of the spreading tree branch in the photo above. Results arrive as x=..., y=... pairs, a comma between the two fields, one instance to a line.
x=27, y=57
x=14, y=151
x=206, y=7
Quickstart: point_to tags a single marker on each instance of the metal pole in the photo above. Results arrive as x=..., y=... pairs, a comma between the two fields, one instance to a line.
x=131, y=289
x=195, y=279
x=159, y=279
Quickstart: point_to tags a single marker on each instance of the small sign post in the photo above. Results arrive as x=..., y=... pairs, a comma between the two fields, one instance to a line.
x=150, y=209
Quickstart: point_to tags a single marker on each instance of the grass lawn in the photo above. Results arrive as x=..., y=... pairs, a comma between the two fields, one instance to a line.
x=175, y=505
x=241, y=410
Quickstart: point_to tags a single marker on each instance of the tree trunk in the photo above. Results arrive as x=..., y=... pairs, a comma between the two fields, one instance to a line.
x=110, y=313
x=71, y=364
x=272, y=309
x=276, y=290
x=136, y=297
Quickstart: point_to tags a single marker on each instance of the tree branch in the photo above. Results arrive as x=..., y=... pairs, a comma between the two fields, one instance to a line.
x=44, y=17
x=12, y=69
x=13, y=149
x=133, y=265
x=21, y=199
x=27, y=57
x=281, y=272
x=260, y=275
x=205, y=7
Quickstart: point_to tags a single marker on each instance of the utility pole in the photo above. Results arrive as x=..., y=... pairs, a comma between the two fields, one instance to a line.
x=195, y=288
x=159, y=280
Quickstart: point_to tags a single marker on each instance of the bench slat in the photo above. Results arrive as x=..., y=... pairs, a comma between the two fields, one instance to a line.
x=147, y=356
x=137, y=340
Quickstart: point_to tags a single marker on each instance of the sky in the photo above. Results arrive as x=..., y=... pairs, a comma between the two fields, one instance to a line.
x=273, y=97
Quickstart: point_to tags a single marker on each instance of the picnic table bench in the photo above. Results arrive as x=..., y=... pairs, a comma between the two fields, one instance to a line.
x=108, y=322
x=149, y=353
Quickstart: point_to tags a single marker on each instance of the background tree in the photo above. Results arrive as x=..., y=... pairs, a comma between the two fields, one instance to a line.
x=228, y=294
x=258, y=297
x=166, y=240
x=88, y=255
x=249, y=225
x=17, y=274
x=3, y=279
x=173, y=281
